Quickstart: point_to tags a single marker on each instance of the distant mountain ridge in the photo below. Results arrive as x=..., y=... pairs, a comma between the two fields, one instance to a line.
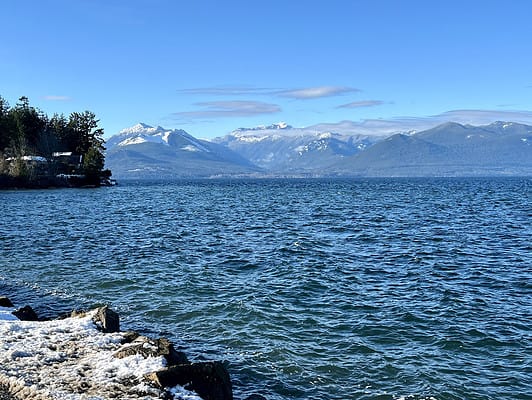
x=450, y=149
x=280, y=148
x=146, y=152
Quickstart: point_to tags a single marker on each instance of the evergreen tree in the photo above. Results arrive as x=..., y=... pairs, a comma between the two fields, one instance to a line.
x=29, y=125
x=26, y=131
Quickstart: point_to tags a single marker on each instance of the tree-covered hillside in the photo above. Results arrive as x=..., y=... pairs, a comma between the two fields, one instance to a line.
x=36, y=149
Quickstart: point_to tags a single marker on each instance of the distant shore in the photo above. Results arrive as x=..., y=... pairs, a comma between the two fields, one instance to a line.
x=51, y=182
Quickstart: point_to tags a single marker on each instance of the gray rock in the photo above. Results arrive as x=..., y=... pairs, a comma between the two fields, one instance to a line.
x=210, y=380
x=107, y=320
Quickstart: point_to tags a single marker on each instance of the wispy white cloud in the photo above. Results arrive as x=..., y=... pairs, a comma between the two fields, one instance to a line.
x=307, y=93
x=57, y=98
x=477, y=117
x=227, y=90
x=221, y=109
x=388, y=126
x=316, y=92
x=362, y=103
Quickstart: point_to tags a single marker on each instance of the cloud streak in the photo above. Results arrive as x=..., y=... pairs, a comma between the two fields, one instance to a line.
x=389, y=126
x=478, y=117
x=361, y=104
x=57, y=98
x=316, y=92
x=306, y=93
x=224, y=109
x=227, y=90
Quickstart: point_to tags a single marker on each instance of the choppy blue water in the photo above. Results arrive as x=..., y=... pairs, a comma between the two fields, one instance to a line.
x=310, y=289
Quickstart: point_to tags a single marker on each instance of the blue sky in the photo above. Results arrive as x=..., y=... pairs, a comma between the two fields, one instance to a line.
x=212, y=66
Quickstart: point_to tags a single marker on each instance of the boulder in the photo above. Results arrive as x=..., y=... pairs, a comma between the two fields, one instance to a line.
x=129, y=336
x=107, y=320
x=210, y=380
x=147, y=347
x=5, y=302
x=26, y=313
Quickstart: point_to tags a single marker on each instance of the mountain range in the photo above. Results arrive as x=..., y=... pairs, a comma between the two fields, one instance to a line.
x=450, y=149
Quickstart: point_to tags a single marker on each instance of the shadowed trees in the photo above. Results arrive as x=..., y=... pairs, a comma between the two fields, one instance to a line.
x=28, y=135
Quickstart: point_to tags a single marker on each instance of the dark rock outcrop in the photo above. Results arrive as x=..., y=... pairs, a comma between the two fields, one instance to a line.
x=107, y=320
x=26, y=313
x=5, y=302
x=210, y=380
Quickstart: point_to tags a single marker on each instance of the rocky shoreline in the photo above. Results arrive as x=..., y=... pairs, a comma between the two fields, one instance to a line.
x=85, y=355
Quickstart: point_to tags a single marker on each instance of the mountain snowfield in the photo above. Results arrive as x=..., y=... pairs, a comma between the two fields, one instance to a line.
x=450, y=149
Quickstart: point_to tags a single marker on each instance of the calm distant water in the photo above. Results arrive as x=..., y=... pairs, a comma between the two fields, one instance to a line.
x=363, y=289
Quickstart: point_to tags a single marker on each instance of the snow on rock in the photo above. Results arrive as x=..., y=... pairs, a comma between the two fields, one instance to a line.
x=143, y=133
x=138, y=128
x=70, y=359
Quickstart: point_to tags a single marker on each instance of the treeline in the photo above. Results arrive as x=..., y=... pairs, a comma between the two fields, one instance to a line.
x=29, y=139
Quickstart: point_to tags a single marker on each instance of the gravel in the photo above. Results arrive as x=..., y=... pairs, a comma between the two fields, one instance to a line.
x=4, y=394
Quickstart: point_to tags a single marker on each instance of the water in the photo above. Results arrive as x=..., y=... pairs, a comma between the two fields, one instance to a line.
x=310, y=289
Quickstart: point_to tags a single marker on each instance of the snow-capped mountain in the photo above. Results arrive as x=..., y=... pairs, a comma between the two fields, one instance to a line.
x=146, y=152
x=450, y=149
x=143, y=133
x=283, y=148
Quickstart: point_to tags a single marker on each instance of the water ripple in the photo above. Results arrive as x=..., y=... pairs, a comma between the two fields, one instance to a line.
x=368, y=289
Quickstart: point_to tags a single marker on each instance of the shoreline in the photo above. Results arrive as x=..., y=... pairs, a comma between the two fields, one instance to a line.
x=86, y=354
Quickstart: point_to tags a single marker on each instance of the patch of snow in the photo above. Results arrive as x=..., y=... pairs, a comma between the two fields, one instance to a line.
x=325, y=135
x=132, y=140
x=301, y=149
x=28, y=158
x=322, y=145
x=182, y=393
x=155, y=137
x=138, y=128
x=166, y=135
x=71, y=359
x=190, y=148
x=251, y=139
